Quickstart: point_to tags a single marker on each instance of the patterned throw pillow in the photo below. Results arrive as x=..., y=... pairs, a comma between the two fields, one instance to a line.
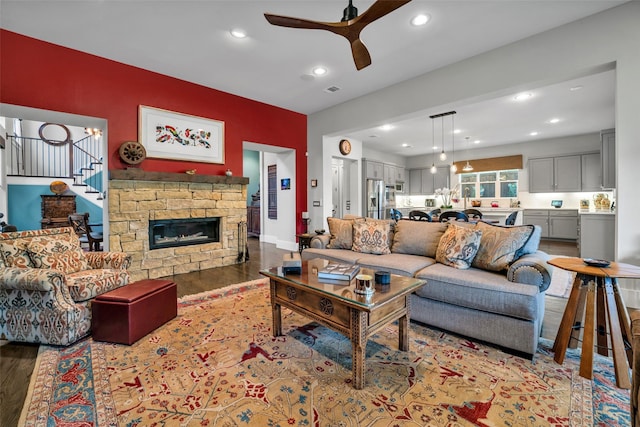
x=62, y=253
x=14, y=253
x=371, y=237
x=500, y=245
x=458, y=246
x=341, y=231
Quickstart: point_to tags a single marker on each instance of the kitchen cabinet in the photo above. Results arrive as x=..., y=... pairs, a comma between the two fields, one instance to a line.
x=555, y=174
x=389, y=174
x=597, y=236
x=374, y=170
x=555, y=224
x=591, y=172
x=608, y=158
x=422, y=181
x=400, y=174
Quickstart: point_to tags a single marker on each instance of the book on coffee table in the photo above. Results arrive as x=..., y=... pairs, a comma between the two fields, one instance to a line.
x=339, y=271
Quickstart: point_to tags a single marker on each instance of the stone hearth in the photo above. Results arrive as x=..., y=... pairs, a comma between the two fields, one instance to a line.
x=136, y=197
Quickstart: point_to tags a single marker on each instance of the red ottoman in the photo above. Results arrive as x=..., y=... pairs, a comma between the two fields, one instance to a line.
x=126, y=314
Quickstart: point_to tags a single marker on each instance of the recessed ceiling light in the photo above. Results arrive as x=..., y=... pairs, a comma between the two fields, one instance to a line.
x=319, y=71
x=386, y=127
x=574, y=88
x=477, y=141
x=457, y=131
x=523, y=96
x=534, y=133
x=420, y=20
x=435, y=147
x=554, y=120
x=238, y=33
x=405, y=145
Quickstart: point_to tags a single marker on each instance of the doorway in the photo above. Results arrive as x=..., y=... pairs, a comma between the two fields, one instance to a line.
x=344, y=187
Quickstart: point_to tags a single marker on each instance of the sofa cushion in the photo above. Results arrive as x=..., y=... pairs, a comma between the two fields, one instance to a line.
x=480, y=290
x=371, y=237
x=402, y=264
x=341, y=231
x=87, y=284
x=335, y=255
x=500, y=245
x=61, y=252
x=458, y=246
x=15, y=254
x=417, y=237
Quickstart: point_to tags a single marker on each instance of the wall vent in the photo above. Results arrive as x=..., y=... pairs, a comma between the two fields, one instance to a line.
x=332, y=89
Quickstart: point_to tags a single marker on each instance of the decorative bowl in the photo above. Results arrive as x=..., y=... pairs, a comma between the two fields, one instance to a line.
x=58, y=187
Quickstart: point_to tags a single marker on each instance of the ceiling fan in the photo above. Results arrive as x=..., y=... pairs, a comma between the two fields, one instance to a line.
x=349, y=26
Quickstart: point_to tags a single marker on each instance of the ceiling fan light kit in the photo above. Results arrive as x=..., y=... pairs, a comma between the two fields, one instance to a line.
x=349, y=26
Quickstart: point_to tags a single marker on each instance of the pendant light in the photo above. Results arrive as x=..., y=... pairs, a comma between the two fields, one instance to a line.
x=443, y=155
x=453, y=168
x=433, y=169
x=467, y=167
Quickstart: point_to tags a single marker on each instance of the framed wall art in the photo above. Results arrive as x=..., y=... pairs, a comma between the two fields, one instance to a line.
x=176, y=136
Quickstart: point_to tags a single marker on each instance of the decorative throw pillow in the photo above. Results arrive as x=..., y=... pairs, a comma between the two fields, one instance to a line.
x=392, y=226
x=500, y=245
x=458, y=246
x=14, y=253
x=62, y=253
x=371, y=237
x=417, y=237
x=341, y=231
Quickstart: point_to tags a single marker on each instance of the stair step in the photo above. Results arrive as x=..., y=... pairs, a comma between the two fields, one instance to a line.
x=91, y=192
x=79, y=185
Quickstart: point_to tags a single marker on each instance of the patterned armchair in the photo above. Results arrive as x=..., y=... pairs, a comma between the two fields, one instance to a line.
x=47, y=283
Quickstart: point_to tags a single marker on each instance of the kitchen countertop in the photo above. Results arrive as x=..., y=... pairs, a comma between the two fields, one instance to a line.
x=594, y=212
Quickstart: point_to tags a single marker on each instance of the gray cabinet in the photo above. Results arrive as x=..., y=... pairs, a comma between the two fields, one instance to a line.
x=422, y=181
x=555, y=174
x=400, y=174
x=389, y=174
x=597, y=236
x=591, y=172
x=608, y=160
x=374, y=170
x=555, y=224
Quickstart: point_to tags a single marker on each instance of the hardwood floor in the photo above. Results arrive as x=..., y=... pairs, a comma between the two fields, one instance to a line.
x=17, y=360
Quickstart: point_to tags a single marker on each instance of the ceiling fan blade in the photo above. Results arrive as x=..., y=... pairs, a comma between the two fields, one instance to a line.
x=379, y=9
x=286, y=21
x=360, y=54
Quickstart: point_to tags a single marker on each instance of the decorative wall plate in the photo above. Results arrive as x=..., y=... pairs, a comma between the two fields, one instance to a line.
x=132, y=152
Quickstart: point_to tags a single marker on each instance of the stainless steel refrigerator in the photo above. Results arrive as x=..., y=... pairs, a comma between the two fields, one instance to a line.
x=380, y=199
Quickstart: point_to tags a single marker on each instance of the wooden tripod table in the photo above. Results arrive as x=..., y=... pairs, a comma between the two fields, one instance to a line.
x=595, y=293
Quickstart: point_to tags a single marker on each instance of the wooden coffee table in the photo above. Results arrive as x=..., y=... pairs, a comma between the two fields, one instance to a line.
x=338, y=307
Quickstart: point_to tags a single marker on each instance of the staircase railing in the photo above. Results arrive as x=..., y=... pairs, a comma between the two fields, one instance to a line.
x=80, y=161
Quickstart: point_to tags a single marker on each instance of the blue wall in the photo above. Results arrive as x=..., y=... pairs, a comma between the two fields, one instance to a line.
x=251, y=170
x=25, y=209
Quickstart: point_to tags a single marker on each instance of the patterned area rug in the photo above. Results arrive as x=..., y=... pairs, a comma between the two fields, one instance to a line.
x=217, y=364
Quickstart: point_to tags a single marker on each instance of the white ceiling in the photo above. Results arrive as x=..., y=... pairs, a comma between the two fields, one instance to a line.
x=190, y=40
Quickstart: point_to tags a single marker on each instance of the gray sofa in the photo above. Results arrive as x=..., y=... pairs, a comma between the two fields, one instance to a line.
x=503, y=307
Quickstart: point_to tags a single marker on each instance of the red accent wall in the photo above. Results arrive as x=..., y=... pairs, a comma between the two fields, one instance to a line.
x=42, y=75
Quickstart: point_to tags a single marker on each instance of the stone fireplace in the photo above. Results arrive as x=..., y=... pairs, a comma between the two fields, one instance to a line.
x=186, y=208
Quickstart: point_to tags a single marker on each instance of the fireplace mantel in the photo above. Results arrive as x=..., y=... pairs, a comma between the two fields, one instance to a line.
x=132, y=174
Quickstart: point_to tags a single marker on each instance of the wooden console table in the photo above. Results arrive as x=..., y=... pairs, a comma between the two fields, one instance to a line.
x=56, y=210
x=595, y=292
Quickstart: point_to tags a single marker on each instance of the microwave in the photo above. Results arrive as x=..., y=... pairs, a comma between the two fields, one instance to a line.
x=399, y=187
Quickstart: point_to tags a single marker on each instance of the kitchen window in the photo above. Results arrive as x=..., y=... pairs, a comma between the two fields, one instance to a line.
x=490, y=185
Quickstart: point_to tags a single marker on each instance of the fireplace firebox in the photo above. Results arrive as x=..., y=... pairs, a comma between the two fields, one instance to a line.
x=166, y=233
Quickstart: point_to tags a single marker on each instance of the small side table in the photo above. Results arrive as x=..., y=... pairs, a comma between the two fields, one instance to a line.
x=304, y=241
x=595, y=292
